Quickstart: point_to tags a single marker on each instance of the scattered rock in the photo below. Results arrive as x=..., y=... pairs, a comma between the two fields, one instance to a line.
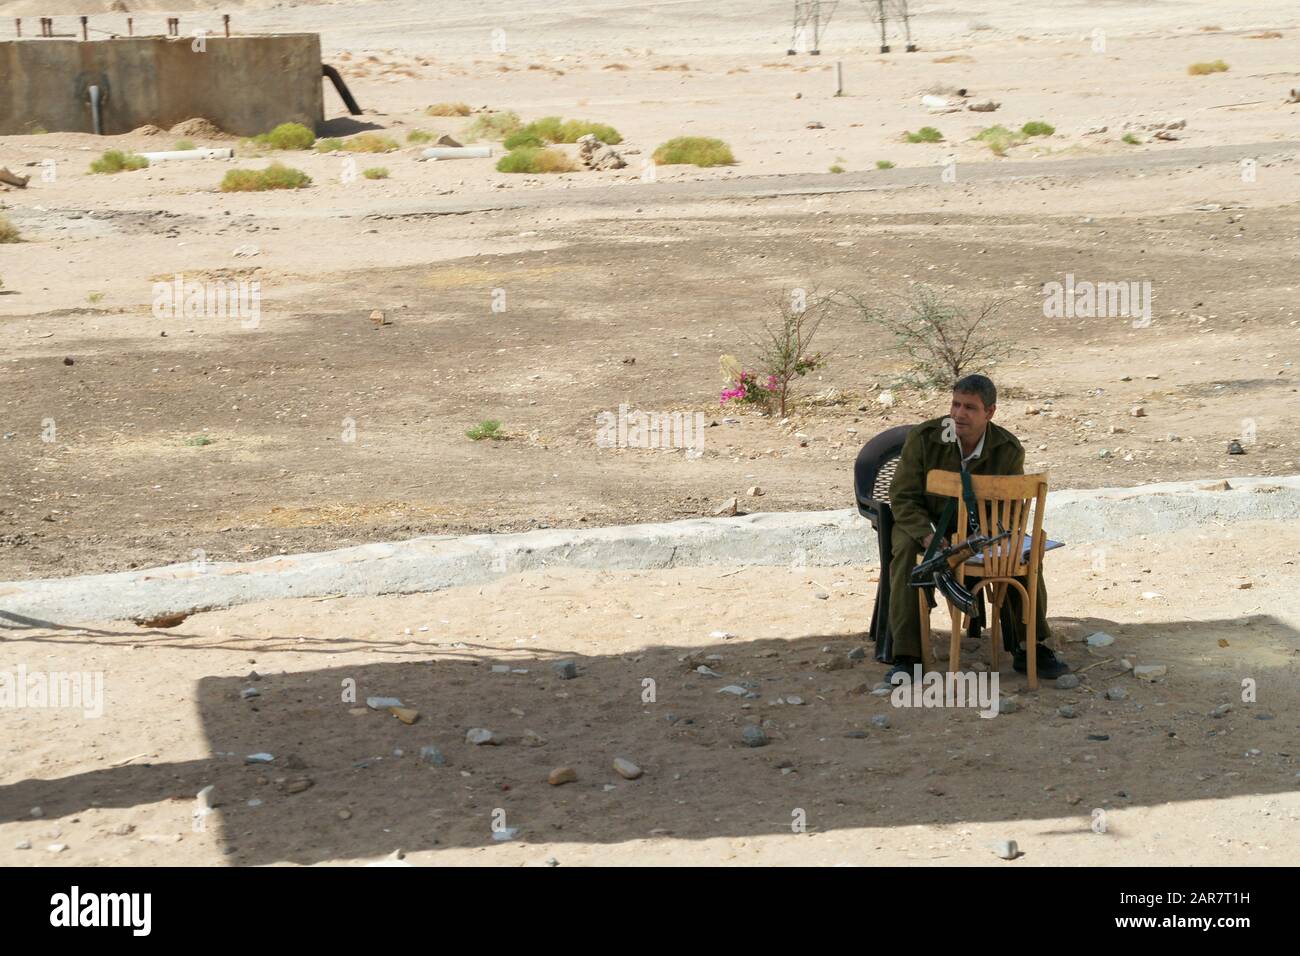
x=246, y=251
x=728, y=508
x=1149, y=671
x=1066, y=711
x=345, y=814
x=1006, y=849
x=23, y=845
x=1116, y=693
x=988, y=106
x=1234, y=448
x=432, y=755
x=407, y=715
x=57, y=847
x=383, y=703
x=259, y=758
x=626, y=768
x=248, y=693
x=1008, y=705
x=733, y=689
x=1099, y=736
x=835, y=664
x=1100, y=639
x=300, y=785
x=754, y=491
x=565, y=670
x=533, y=739
x=1067, y=682
x=505, y=834
x=1221, y=710
x=858, y=654
x=1137, y=411
x=1216, y=486
x=880, y=721
x=481, y=735
x=377, y=318
x=597, y=155
x=796, y=701
x=754, y=736
x=562, y=775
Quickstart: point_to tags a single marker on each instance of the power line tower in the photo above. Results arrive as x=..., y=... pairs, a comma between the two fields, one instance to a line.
x=811, y=17
x=882, y=11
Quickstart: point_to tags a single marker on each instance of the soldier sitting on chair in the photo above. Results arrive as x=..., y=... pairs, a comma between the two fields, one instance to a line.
x=986, y=449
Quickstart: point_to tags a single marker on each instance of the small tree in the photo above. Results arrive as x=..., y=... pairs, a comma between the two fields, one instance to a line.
x=783, y=352
x=942, y=340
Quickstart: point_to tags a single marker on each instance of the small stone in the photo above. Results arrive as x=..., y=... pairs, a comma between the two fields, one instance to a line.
x=533, y=739
x=1116, y=693
x=858, y=654
x=562, y=775
x=1150, y=671
x=754, y=736
x=57, y=847
x=407, y=715
x=728, y=508
x=1099, y=736
x=204, y=798
x=1137, y=411
x=383, y=703
x=258, y=758
x=821, y=595
x=706, y=671
x=1067, y=682
x=1008, y=705
x=250, y=692
x=565, y=670
x=1234, y=448
x=626, y=768
x=754, y=491
x=299, y=785
x=1006, y=849
x=880, y=721
x=500, y=668
x=23, y=845
x=1221, y=710
x=345, y=814
x=36, y=813
x=1100, y=639
x=856, y=735
x=505, y=834
x=1066, y=711
x=432, y=755
x=1263, y=716
x=732, y=689
x=481, y=735
x=835, y=664
x=791, y=699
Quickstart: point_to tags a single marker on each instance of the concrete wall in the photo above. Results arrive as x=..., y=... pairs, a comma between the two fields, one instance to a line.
x=246, y=85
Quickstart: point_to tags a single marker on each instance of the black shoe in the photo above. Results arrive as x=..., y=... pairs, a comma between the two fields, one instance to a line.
x=1050, y=666
x=902, y=665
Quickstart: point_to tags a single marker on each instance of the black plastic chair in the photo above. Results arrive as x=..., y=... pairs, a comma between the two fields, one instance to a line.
x=872, y=473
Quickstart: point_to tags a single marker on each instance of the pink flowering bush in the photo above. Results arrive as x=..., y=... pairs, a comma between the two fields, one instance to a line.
x=746, y=388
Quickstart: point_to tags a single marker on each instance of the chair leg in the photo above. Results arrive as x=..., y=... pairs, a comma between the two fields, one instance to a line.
x=1031, y=637
x=996, y=594
x=927, y=660
x=954, y=648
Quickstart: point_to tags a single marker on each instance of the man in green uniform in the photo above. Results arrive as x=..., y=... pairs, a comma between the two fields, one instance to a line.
x=966, y=439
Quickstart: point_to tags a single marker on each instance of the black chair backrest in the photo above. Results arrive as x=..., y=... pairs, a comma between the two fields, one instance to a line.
x=874, y=470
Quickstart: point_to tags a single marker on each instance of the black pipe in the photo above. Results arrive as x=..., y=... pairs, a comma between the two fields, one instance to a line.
x=342, y=88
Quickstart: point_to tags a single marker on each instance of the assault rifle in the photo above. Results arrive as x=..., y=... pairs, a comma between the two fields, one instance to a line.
x=936, y=571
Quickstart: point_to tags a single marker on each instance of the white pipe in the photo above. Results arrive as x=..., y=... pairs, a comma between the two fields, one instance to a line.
x=94, y=109
x=457, y=152
x=189, y=154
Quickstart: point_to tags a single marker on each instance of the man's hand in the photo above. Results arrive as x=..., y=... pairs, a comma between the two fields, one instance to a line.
x=943, y=542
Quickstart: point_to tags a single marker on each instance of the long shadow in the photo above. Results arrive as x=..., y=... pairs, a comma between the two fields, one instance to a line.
x=826, y=758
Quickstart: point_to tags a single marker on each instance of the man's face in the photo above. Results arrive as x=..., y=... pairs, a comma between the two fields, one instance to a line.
x=970, y=416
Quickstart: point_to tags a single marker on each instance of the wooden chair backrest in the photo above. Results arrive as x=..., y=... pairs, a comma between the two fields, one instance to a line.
x=1004, y=499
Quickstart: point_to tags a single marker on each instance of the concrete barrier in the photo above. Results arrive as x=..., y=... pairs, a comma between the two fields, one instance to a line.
x=814, y=538
x=245, y=85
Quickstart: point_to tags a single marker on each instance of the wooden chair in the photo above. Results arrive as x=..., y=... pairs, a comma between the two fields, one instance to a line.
x=1004, y=500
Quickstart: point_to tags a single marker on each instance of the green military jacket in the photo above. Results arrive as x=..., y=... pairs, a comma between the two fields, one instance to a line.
x=925, y=449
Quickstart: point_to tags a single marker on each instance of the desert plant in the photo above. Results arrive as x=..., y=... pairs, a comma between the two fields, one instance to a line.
x=418, y=136
x=94, y=298
x=447, y=109
x=784, y=353
x=533, y=159
x=198, y=441
x=940, y=340
x=494, y=125
x=287, y=136
x=183, y=144
x=1131, y=139
x=553, y=129
x=999, y=139
x=331, y=145
x=1038, y=128
x=1203, y=69
x=837, y=168
x=275, y=176
x=694, y=151
x=884, y=164
x=926, y=134
x=370, y=143
x=8, y=231
x=488, y=428
x=376, y=172
x=116, y=161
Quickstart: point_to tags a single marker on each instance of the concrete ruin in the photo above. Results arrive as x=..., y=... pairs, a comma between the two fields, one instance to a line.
x=244, y=84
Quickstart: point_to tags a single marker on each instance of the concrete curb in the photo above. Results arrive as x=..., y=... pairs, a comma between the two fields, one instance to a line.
x=775, y=539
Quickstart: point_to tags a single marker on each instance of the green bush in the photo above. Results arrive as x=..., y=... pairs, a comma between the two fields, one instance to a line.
x=1202, y=69
x=535, y=159
x=275, y=176
x=419, y=136
x=376, y=172
x=485, y=429
x=837, y=168
x=1131, y=139
x=182, y=144
x=493, y=125
x=884, y=164
x=999, y=139
x=8, y=231
x=370, y=143
x=115, y=161
x=552, y=129
x=694, y=151
x=331, y=145
x=287, y=136
x=926, y=134
x=1038, y=128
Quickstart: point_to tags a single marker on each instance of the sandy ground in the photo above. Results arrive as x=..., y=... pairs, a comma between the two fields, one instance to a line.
x=325, y=431
x=1175, y=786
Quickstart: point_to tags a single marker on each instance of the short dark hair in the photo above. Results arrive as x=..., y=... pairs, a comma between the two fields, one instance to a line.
x=980, y=385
